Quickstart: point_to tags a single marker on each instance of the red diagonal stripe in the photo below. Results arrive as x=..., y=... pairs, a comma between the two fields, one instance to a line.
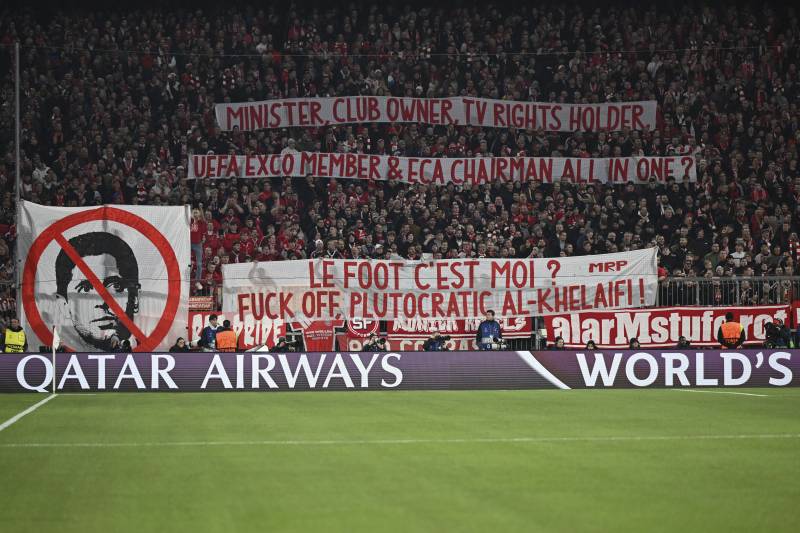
x=101, y=289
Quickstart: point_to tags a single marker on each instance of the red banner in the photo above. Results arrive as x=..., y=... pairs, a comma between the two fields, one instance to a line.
x=249, y=332
x=319, y=335
x=201, y=303
x=658, y=328
x=410, y=335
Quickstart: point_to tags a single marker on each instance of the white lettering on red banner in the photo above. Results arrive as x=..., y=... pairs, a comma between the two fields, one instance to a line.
x=658, y=328
x=387, y=290
x=318, y=112
x=457, y=170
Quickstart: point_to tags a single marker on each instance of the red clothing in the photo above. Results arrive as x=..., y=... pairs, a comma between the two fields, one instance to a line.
x=758, y=195
x=248, y=247
x=211, y=280
x=214, y=224
x=212, y=240
x=231, y=217
x=197, y=229
x=229, y=239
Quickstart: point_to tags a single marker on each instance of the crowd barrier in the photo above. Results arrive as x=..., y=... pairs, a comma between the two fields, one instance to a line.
x=740, y=290
x=257, y=371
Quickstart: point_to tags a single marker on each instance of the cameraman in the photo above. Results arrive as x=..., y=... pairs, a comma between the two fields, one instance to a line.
x=683, y=343
x=489, y=332
x=283, y=346
x=777, y=335
x=374, y=344
x=435, y=342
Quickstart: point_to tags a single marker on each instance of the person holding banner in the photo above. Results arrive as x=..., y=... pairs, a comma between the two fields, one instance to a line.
x=489, y=332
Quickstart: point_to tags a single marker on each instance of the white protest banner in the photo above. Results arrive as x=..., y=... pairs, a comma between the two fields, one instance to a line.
x=457, y=170
x=545, y=116
x=461, y=288
x=660, y=327
x=104, y=275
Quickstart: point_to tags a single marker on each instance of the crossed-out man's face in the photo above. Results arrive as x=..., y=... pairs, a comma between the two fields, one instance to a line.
x=94, y=320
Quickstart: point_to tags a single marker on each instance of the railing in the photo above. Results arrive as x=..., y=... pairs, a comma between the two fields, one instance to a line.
x=725, y=291
x=673, y=291
x=8, y=302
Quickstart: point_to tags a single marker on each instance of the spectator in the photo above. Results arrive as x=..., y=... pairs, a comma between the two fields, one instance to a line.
x=197, y=230
x=558, y=344
x=123, y=131
x=180, y=346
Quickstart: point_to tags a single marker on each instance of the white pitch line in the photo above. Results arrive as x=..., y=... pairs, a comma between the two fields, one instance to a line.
x=621, y=438
x=27, y=411
x=723, y=392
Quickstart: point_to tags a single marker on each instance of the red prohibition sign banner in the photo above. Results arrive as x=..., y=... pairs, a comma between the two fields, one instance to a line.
x=55, y=232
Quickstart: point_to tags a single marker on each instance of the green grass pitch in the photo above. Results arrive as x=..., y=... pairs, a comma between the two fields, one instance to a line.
x=623, y=460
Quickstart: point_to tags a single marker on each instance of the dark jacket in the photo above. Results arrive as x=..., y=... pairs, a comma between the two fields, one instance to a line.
x=434, y=345
x=488, y=328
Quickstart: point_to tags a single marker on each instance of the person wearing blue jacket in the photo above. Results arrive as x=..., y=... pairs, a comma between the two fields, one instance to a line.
x=436, y=342
x=208, y=337
x=489, y=332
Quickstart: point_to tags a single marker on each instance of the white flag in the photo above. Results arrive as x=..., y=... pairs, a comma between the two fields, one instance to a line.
x=56, y=339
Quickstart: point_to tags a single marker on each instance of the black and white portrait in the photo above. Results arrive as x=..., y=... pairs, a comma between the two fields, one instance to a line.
x=114, y=263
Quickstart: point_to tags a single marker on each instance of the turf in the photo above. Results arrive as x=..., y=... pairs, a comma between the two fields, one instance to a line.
x=294, y=482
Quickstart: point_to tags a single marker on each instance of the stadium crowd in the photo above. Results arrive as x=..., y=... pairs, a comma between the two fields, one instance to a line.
x=114, y=102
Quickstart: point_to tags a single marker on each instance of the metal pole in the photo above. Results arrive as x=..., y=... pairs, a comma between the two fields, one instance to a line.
x=17, y=127
x=18, y=177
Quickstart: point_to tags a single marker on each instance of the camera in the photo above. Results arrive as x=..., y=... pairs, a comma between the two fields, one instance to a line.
x=285, y=345
x=374, y=343
x=771, y=330
x=777, y=336
x=443, y=337
x=498, y=344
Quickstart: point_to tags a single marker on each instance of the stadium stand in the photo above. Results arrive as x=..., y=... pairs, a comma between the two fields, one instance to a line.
x=113, y=104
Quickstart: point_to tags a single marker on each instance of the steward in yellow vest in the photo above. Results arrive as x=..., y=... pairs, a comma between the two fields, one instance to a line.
x=731, y=333
x=14, y=340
